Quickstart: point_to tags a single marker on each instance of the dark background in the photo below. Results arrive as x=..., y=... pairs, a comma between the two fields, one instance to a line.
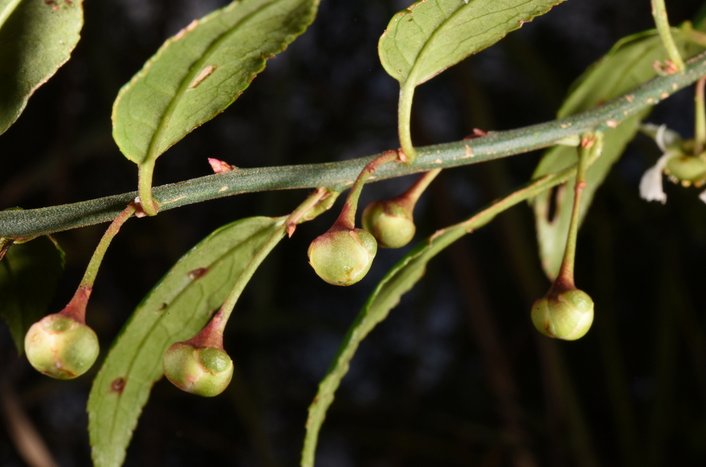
x=457, y=375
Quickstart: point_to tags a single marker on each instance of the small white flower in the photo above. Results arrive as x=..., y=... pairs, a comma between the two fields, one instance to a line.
x=670, y=143
x=651, y=182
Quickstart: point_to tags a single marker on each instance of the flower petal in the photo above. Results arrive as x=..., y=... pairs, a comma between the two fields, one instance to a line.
x=666, y=139
x=651, y=182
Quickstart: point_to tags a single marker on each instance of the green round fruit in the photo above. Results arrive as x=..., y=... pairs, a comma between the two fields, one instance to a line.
x=392, y=225
x=342, y=256
x=687, y=168
x=567, y=316
x=202, y=371
x=61, y=347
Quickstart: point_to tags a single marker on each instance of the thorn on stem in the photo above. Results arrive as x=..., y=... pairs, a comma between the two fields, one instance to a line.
x=219, y=166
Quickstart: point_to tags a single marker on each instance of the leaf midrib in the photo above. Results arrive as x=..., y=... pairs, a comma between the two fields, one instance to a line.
x=162, y=125
x=415, y=67
x=413, y=71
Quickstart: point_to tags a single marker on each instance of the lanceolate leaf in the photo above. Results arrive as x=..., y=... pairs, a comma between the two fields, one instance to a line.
x=36, y=38
x=432, y=35
x=176, y=309
x=627, y=65
x=399, y=280
x=199, y=72
x=29, y=273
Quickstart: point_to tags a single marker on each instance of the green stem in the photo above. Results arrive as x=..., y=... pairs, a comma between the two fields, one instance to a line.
x=529, y=190
x=300, y=214
x=76, y=308
x=144, y=186
x=336, y=175
x=92, y=269
x=700, y=118
x=404, y=118
x=591, y=145
x=409, y=198
x=417, y=189
x=659, y=13
x=346, y=219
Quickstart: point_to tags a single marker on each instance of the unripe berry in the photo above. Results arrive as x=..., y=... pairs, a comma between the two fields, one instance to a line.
x=687, y=168
x=61, y=347
x=566, y=316
x=391, y=224
x=203, y=371
x=342, y=256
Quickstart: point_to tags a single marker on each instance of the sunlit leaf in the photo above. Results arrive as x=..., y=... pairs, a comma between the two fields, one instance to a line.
x=398, y=281
x=175, y=310
x=432, y=35
x=29, y=273
x=628, y=64
x=200, y=71
x=36, y=38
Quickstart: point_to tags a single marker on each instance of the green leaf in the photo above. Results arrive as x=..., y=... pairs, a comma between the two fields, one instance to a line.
x=175, y=310
x=432, y=35
x=36, y=38
x=29, y=273
x=628, y=64
x=200, y=71
x=398, y=281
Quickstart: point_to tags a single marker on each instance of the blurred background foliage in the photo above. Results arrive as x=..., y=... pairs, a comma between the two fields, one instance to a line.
x=457, y=375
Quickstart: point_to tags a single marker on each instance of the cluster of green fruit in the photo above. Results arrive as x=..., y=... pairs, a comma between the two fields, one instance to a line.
x=62, y=346
x=343, y=255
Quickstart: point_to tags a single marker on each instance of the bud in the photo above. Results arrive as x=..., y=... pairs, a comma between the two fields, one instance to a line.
x=205, y=371
x=61, y=347
x=687, y=168
x=567, y=315
x=391, y=224
x=342, y=256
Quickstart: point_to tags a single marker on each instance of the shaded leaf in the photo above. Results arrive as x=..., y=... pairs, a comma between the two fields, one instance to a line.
x=628, y=64
x=175, y=310
x=432, y=35
x=29, y=273
x=36, y=38
x=398, y=281
x=200, y=71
